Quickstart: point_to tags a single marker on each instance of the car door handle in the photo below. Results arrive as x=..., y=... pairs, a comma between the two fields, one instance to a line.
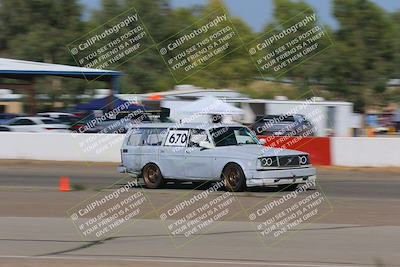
x=124, y=150
x=162, y=151
x=187, y=151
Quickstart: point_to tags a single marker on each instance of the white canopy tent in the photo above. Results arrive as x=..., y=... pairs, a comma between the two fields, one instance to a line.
x=202, y=110
x=210, y=105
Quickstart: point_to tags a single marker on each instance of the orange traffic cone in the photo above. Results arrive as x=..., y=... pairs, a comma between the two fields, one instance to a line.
x=64, y=184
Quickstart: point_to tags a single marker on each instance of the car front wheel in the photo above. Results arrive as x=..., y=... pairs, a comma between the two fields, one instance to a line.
x=234, y=178
x=152, y=176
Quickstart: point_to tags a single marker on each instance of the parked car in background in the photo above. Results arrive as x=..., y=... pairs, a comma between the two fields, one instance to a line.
x=160, y=152
x=65, y=118
x=37, y=124
x=281, y=125
x=88, y=122
x=6, y=117
x=5, y=129
x=121, y=123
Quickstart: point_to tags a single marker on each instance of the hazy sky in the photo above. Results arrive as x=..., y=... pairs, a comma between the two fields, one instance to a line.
x=258, y=12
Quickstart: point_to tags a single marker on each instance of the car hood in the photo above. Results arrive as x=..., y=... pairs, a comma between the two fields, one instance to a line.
x=260, y=151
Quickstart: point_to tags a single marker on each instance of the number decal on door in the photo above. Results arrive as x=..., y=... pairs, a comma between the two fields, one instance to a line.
x=177, y=138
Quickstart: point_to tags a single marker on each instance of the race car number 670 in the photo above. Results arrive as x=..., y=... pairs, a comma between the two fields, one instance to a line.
x=177, y=138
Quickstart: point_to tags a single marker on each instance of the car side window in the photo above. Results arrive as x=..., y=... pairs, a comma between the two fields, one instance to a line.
x=147, y=137
x=23, y=122
x=196, y=136
x=150, y=137
x=64, y=118
x=17, y=122
x=50, y=121
x=161, y=133
x=243, y=137
x=135, y=137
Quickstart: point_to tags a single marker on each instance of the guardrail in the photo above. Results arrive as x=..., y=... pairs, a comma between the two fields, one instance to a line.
x=339, y=151
x=366, y=151
x=61, y=146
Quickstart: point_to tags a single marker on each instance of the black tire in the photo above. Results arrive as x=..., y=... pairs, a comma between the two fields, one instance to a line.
x=287, y=187
x=152, y=176
x=197, y=183
x=234, y=178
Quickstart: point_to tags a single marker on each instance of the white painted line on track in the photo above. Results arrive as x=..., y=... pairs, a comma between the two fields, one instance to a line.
x=133, y=259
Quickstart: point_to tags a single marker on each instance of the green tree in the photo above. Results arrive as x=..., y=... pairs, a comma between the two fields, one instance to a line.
x=39, y=29
x=235, y=66
x=364, y=52
x=365, y=42
x=286, y=14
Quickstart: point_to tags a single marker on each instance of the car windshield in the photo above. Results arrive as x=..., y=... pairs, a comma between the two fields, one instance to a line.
x=233, y=136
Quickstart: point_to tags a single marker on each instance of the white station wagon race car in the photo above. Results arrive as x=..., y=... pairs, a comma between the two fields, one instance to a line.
x=230, y=153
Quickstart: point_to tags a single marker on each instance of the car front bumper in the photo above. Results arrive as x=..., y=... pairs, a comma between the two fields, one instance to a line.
x=281, y=177
x=122, y=169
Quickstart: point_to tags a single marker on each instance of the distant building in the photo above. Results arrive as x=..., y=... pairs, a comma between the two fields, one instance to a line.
x=330, y=118
x=335, y=118
x=10, y=102
x=393, y=83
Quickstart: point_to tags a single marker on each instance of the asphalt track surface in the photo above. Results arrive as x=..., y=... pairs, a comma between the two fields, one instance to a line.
x=362, y=227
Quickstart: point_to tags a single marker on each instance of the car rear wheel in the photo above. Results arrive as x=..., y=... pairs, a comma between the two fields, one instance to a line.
x=234, y=178
x=152, y=176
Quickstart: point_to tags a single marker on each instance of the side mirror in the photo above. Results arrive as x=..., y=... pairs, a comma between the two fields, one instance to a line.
x=263, y=141
x=205, y=145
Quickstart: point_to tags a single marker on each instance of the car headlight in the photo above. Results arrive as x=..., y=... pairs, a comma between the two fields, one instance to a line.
x=304, y=160
x=269, y=162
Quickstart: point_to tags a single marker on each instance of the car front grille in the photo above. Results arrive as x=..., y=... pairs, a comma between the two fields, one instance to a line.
x=288, y=161
x=293, y=161
x=285, y=161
